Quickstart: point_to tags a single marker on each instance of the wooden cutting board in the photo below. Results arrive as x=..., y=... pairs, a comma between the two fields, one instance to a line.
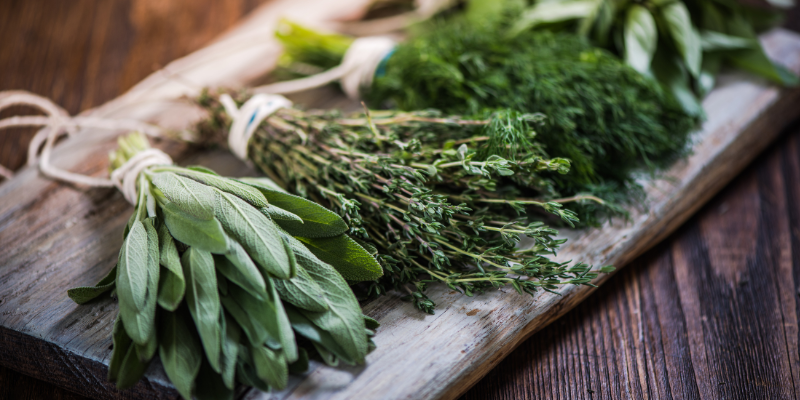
x=54, y=236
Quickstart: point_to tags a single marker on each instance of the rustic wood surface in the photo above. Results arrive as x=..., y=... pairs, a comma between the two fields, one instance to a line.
x=705, y=324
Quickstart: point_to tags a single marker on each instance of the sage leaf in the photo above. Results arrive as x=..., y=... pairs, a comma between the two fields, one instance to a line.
x=204, y=234
x=675, y=81
x=302, y=291
x=271, y=366
x=200, y=168
x=85, y=294
x=210, y=385
x=203, y=300
x=131, y=370
x=307, y=329
x=348, y=257
x=121, y=343
x=190, y=196
x=712, y=41
x=246, y=372
x=228, y=185
x=371, y=323
x=280, y=214
x=172, y=285
x=237, y=266
x=301, y=365
x=343, y=320
x=180, y=351
x=256, y=233
x=708, y=74
x=137, y=281
x=263, y=321
x=679, y=25
x=148, y=350
x=317, y=221
x=641, y=38
x=230, y=349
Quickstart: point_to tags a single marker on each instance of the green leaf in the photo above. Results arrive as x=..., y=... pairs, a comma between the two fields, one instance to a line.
x=237, y=267
x=302, y=291
x=552, y=12
x=146, y=350
x=131, y=370
x=279, y=214
x=371, y=323
x=343, y=320
x=211, y=386
x=200, y=168
x=203, y=300
x=256, y=233
x=84, y=294
x=121, y=343
x=675, y=81
x=230, y=349
x=317, y=221
x=180, y=351
x=348, y=257
x=307, y=329
x=641, y=38
x=229, y=185
x=712, y=41
x=190, y=196
x=137, y=281
x=172, y=285
x=301, y=365
x=755, y=60
x=679, y=25
x=205, y=234
x=271, y=366
x=708, y=74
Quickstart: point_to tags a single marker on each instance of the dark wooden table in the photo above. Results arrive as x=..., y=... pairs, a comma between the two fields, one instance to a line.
x=712, y=312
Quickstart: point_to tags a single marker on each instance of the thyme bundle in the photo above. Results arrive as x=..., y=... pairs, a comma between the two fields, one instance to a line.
x=430, y=196
x=224, y=278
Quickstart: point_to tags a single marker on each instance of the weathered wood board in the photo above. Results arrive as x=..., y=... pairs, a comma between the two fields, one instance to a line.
x=53, y=237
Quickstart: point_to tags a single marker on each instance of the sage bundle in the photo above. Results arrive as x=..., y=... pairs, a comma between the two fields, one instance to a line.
x=435, y=198
x=227, y=280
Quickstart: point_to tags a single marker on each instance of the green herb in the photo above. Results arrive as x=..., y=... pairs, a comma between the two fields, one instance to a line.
x=603, y=116
x=205, y=266
x=438, y=199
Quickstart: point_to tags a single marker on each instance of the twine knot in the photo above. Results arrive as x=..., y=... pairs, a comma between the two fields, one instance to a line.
x=247, y=118
x=124, y=178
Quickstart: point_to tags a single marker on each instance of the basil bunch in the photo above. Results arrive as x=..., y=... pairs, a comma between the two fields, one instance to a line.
x=233, y=269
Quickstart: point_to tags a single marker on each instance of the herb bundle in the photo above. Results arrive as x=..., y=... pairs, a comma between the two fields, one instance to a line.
x=602, y=115
x=437, y=199
x=229, y=281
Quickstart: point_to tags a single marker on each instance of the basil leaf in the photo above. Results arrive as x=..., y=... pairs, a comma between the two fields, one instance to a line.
x=679, y=25
x=172, y=285
x=203, y=300
x=317, y=221
x=231, y=333
x=84, y=294
x=641, y=38
x=348, y=257
x=190, y=196
x=712, y=41
x=270, y=366
x=205, y=234
x=180, y=351
x=552, y=12
x=256, y=233
x=229, y=185
x=343, y=320
x=237, y=266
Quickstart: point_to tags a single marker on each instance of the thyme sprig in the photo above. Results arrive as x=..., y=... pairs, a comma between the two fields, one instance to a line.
x=435, y=197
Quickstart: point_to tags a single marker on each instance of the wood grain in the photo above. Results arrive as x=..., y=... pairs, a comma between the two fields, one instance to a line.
x=84, y=211
x=710, y=313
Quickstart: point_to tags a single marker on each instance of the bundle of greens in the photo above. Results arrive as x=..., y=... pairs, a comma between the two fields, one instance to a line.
x=602, y=115
x=682, y=44
x=231, y=269
x=436, y=199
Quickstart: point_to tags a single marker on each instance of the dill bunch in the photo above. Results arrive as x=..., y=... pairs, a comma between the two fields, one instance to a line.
x=434, y=198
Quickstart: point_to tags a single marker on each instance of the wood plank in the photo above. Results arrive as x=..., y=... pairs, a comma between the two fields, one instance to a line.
x=710, y=313
x=46, y=234
x=441, y=356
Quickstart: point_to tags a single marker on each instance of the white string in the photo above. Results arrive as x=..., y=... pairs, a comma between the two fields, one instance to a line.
x=56, y=123
x=249, y=117
x=124, y=177
x=356, y=71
